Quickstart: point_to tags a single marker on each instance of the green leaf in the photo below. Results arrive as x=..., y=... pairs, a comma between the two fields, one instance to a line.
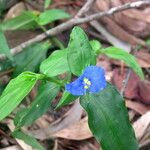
x=52, y=15
x=66, y=99
x=47, y=3
x=27, y=20
x=55, y=64
x=128, y=59
x=4, y=49
x=46, y=93
x=96, y=45
x=30, y=58
x=108, y=119
x=80, y=53
x=15, y=91
x=28, y=140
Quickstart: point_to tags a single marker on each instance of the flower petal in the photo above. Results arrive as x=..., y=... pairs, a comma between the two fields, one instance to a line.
x=76, y=87
x=97, y=77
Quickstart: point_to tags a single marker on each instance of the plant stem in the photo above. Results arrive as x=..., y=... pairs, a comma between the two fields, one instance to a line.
x=59, y=82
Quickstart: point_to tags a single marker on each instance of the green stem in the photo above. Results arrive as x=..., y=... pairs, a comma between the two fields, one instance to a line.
x=59, y=82
x=57, y=42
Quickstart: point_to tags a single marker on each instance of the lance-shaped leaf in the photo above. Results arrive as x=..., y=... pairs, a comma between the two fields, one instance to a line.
x=80, y=53
x=26, y=20
x=130, y=60
x=52, y=15
x=108, y=119
x=4, y=49
x=15, y=91
x=46, y=93
x=28, y=140
x=55, y=64
x=30, y=58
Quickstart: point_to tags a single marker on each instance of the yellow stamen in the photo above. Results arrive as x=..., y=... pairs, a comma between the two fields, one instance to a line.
x=85, y=80
x=86, y=87
x=88, y=83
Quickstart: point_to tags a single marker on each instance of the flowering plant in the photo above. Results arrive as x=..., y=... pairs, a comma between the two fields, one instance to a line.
x=107, y=115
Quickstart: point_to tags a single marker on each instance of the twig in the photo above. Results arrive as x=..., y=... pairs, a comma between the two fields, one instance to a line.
x=110, y=38
x=75, y=21
x=85, y=8
x=125, y=81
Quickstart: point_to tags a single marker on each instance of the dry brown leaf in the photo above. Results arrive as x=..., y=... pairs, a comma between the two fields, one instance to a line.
x=71, y=117
x=120, y=33
x=137, y=106
x=141, y=125
x=22, y=144
x=78, y=131
x=15, y=10
x=144, y=91
x=128, y=25
x=15, y=147
x=131, y=92
x=143, y=58
x=81, y=131
x=87, y=146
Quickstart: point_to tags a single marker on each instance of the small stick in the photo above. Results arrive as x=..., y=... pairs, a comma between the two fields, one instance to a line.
x=124, y=83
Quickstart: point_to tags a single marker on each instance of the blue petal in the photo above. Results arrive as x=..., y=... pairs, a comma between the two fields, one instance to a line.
x=97, y=77
x=76, y=87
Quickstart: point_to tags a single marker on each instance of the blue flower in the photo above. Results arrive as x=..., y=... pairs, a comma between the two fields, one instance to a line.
x=92, y=80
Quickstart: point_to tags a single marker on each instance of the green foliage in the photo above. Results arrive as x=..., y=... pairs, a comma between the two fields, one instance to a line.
x=4, y=49
x=80, y=54
x=120, y=54
x=52, y=15
x=55, y=64
x=28, y=139
x=107, y=114
x=15, y=91
x=30, y=58
x=96, y=45
x=46, y=93
x=66, y=98
x=108, y=119
x=32, y=20
x=27, y=20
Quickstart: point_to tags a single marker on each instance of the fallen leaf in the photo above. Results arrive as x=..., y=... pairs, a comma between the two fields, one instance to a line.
x=144, y=91
x=15, y=10
x=131, y=92
x=78, y=131
x=15, y=147
x=141, y=125
x=137, y=106
x=130, y=25
x=70, y=118
x=142, y=56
